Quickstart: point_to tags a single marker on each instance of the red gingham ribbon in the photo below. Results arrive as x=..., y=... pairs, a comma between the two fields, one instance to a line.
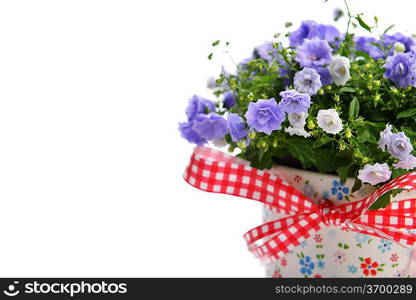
x=214, y=171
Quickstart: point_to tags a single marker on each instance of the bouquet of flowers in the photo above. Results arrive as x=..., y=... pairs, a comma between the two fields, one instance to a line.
x=318, y=99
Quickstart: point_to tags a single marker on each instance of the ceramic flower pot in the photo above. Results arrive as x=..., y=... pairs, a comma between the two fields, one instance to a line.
x=333, y=252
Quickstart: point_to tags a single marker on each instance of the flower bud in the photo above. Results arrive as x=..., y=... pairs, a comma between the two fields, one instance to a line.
x=311, y=124
x=370, y=76
x=341, y=146
x=263, y=144
x=252, y=135
x=321, y=92
x=242, y=144
x=348, y=133
x=394, y=90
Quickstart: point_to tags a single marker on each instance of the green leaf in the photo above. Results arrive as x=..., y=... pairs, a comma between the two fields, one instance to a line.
x=343, y=173
x=407, y=113
x=362, y=23
x=301, y=149
x=364, y=135
x=354, y=109
x=210, y=56
x=253, y=155
x=408, y=132
x=377, y=115
x=382, y=201
x=347, y=89
x=388, y=29
x=261, y=154
x=362, y=54
x=357, y=185
x=321, y=141
x=325, y=161
x=216, y=43
x=398, y=172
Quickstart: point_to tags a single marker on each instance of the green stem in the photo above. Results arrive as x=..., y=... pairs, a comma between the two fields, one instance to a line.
x=349, y=17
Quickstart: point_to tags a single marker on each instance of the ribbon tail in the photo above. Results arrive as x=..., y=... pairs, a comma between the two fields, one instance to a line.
x=285, y=240
x=216, y=172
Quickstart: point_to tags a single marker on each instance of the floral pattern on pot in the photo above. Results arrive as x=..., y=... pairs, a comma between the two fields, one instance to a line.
x=333, y=252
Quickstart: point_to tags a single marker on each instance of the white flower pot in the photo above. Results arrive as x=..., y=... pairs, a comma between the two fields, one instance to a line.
x=334, y=252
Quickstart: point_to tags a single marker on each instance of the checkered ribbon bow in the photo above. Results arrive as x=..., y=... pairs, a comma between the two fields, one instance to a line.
x=217, y=172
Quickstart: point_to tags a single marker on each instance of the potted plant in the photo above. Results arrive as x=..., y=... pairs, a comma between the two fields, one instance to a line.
x=332, y=114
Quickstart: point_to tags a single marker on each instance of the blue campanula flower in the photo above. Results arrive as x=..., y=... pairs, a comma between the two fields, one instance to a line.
x=189, y=134
x=229, y=100
x=264, y=115
x=365, y=44
x=311, y=29
x=408, y=163
x=198, y=105
x=269, y=53
x=307, y=30
x=307, y=81
x=401, y=70
x=329, y=33
x=294, y=102
x=399, y=145
x=325, y=76
x=390, y=40
x=211, y=126
x=266, y=51
x=374, y=174
x=385, y=137
x=313, y=53
x=237, y=127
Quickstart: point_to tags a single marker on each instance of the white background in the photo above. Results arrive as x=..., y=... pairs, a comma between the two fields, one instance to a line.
x=91, y=161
